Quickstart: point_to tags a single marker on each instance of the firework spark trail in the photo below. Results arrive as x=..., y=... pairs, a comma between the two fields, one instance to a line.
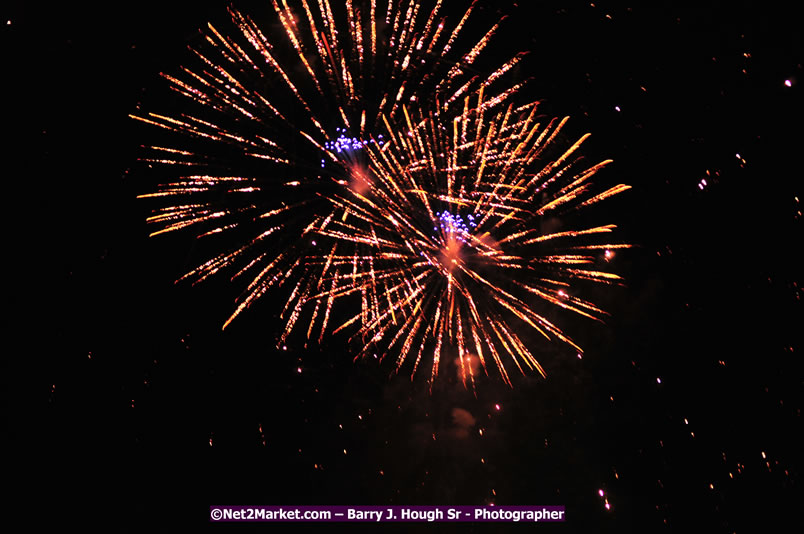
x=467, y=286
x=257, y=111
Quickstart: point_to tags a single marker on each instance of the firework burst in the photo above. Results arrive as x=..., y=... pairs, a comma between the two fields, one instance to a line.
x=445, y=243
x=268, y=125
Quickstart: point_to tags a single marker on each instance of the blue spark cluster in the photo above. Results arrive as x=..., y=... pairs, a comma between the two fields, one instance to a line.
x=455, y=224
x=343, y=143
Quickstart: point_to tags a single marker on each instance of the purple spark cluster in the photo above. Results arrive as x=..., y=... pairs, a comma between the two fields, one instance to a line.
x=454, y=224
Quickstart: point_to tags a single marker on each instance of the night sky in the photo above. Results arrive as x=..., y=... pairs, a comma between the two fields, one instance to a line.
x=127, y=407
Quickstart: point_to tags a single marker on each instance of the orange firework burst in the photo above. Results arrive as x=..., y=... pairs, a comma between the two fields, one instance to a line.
x=251, y=145
x=444, y=240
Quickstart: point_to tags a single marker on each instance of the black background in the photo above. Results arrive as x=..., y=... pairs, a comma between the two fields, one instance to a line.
x=128, y=408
